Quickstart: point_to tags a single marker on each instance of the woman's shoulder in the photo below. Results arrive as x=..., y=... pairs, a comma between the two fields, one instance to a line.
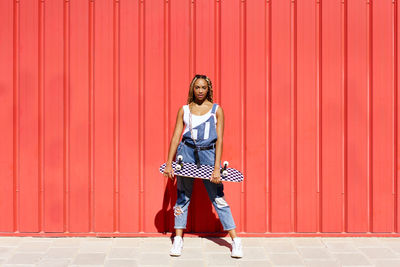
x=217, y=106
x=185, y=107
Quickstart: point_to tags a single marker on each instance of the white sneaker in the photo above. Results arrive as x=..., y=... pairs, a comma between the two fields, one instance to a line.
x=237, y=251
x=177, y=246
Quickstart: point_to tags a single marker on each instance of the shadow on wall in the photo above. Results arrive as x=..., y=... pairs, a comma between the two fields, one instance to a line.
x=201, y=219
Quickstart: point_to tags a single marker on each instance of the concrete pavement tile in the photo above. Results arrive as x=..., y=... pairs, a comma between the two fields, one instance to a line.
x=277, y=247
x=10, y=241
x=341, y=247
x=85, y=265
x=124, y=253
x=275, y=239
x=120, y=263
x=388, y=239
x=33, y=247
x=366, y=242
x=61, y=252
x=213, y=265
x=25, y=258
x=177, y=262
x=94, y=238
x=352, y=259
x=322, y=263
x=127, y=242
x=308, y=242
x=97, y=241
x=156, y=247
x=67, y=242
x=44, y=239
x=156, y=240
x=216, y=245
x=395, y=247
x=216, y=240
x=89, y=259
x=336, y=239
x=252, y=242
x=286, y=259
x=209, y=247
x=191, y=253
x=386, y=263
x=192, y=242
x=254, y=253
x=54, y=263
x=314, y=253
x=154, y=259
x=379, y=253
x=95, y=247
x=254, y=263
x=18, y=265
x=6, y=252
x=221, y=259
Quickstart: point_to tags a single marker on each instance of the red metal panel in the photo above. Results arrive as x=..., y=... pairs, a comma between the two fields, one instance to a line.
x=396, y=74
x=103, y=117
x=332, y=118
x=153, y=102
x=53, y=104
x=90, y=91
x=78, y=152
x=29, y=134
x=281, y=138
x=232, y=100
x=383, y=124
x=129, y=117
x=176, y=83
x=358, y=118
x=307, y=102
x=7, y=170
x=256, y=119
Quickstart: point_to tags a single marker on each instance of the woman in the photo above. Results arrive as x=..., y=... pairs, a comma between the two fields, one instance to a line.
x=204, y=128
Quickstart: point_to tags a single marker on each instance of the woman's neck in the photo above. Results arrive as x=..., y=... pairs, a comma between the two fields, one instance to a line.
x=199, y=102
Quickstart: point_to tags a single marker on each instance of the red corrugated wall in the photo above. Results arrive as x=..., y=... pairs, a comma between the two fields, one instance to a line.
x=89, y=92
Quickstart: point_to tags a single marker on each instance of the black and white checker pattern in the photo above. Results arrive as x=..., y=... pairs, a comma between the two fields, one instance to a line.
x=204, y=172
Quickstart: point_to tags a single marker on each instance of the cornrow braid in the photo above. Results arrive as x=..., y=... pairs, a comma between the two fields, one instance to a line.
x=210, y=89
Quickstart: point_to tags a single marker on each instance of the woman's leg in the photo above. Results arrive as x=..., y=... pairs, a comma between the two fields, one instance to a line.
x=232, y=233
x=216, y=195
x=179, y=232
x=184, y=191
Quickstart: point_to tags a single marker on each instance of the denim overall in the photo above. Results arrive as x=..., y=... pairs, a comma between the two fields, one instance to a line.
x=185, y=185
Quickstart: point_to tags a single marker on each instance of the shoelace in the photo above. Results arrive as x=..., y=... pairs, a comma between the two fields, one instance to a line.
x=238, y=245
x=177, y=244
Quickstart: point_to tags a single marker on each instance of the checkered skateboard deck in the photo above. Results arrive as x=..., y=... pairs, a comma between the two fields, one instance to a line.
x=204, y=172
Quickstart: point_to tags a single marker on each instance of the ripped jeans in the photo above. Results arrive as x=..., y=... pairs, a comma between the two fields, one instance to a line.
x=216, y=195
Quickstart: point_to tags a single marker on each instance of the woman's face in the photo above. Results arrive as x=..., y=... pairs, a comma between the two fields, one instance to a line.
x=200, y=89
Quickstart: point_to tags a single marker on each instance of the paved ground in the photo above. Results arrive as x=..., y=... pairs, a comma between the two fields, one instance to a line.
x=197, y=251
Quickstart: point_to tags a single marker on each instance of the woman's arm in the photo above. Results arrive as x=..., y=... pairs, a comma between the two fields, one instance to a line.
x=168, y=171
x=176, y=136
x=220, y=134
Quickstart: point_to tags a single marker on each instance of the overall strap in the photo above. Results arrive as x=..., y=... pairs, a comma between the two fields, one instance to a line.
x=214, y=108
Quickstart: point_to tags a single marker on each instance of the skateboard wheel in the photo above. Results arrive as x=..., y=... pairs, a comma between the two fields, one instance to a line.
x=226, y=163
x=225, y=173
x=178, y=167
x=180, y=157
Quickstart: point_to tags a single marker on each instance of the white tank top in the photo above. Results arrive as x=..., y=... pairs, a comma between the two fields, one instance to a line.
x=197, y=119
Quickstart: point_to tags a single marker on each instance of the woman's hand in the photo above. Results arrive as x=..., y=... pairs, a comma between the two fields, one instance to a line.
x=216, y=176
x=169, y=171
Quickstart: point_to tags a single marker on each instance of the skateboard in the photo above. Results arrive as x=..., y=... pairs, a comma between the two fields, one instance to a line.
x=190, y=170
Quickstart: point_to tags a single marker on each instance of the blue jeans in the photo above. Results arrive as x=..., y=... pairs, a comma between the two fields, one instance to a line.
x=215, y=191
